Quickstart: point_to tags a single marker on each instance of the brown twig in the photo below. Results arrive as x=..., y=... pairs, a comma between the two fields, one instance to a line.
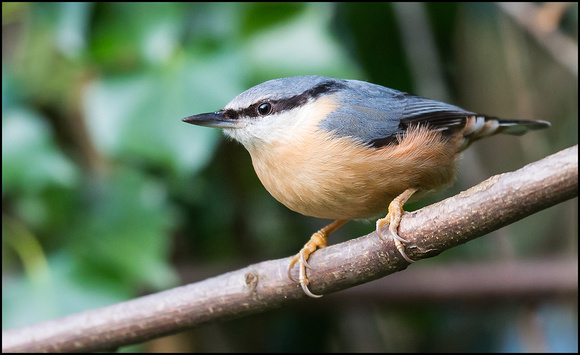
x=498, y=201
x=480, y=282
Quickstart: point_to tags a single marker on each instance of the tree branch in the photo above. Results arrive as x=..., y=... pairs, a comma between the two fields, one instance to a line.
x=484, y=281
x=496, y=202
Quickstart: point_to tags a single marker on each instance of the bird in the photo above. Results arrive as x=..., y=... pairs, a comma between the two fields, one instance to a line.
x=345, y=149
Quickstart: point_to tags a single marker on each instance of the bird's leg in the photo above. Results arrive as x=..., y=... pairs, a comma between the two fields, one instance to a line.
x=393, y=218
x=318, y=240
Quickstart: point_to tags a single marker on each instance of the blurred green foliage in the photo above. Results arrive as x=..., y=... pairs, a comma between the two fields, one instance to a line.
x=106, y=194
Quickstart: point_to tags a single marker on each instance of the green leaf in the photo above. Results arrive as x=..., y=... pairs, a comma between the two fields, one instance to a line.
x=31, y=161
x=121, y=231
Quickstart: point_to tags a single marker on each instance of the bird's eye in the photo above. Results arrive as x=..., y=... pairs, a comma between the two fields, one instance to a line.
x=265, y=108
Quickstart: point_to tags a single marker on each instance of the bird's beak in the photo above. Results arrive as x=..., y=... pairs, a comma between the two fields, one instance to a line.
x=212, y=119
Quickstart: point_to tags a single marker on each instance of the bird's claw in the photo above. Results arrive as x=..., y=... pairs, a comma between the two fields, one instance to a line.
x=393, y=218
x=318, y=240
x=303, y=279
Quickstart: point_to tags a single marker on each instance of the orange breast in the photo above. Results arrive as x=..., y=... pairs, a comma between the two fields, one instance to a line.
x=319, y=175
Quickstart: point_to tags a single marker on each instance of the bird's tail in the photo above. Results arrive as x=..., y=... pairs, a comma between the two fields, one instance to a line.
x=478, y=127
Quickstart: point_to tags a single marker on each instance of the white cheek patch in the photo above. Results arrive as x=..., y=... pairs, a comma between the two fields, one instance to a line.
x=284, y=126
x=254, y=131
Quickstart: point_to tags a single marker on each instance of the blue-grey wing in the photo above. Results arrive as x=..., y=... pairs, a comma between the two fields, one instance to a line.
x=375, y=115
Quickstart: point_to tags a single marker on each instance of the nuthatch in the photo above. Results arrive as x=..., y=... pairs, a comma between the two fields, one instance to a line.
x=347, y=149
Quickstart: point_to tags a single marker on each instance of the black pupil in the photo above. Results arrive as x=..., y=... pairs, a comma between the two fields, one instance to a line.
x=264, y=108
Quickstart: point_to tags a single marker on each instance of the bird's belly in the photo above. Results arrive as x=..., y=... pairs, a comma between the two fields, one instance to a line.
x=343, y=180
x=323, y=197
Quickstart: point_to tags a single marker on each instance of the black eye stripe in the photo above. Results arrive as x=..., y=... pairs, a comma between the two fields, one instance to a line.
x=281, y=105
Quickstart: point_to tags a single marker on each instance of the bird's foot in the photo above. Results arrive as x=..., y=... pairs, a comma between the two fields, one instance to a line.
x=318, y=240
x=393, y=218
